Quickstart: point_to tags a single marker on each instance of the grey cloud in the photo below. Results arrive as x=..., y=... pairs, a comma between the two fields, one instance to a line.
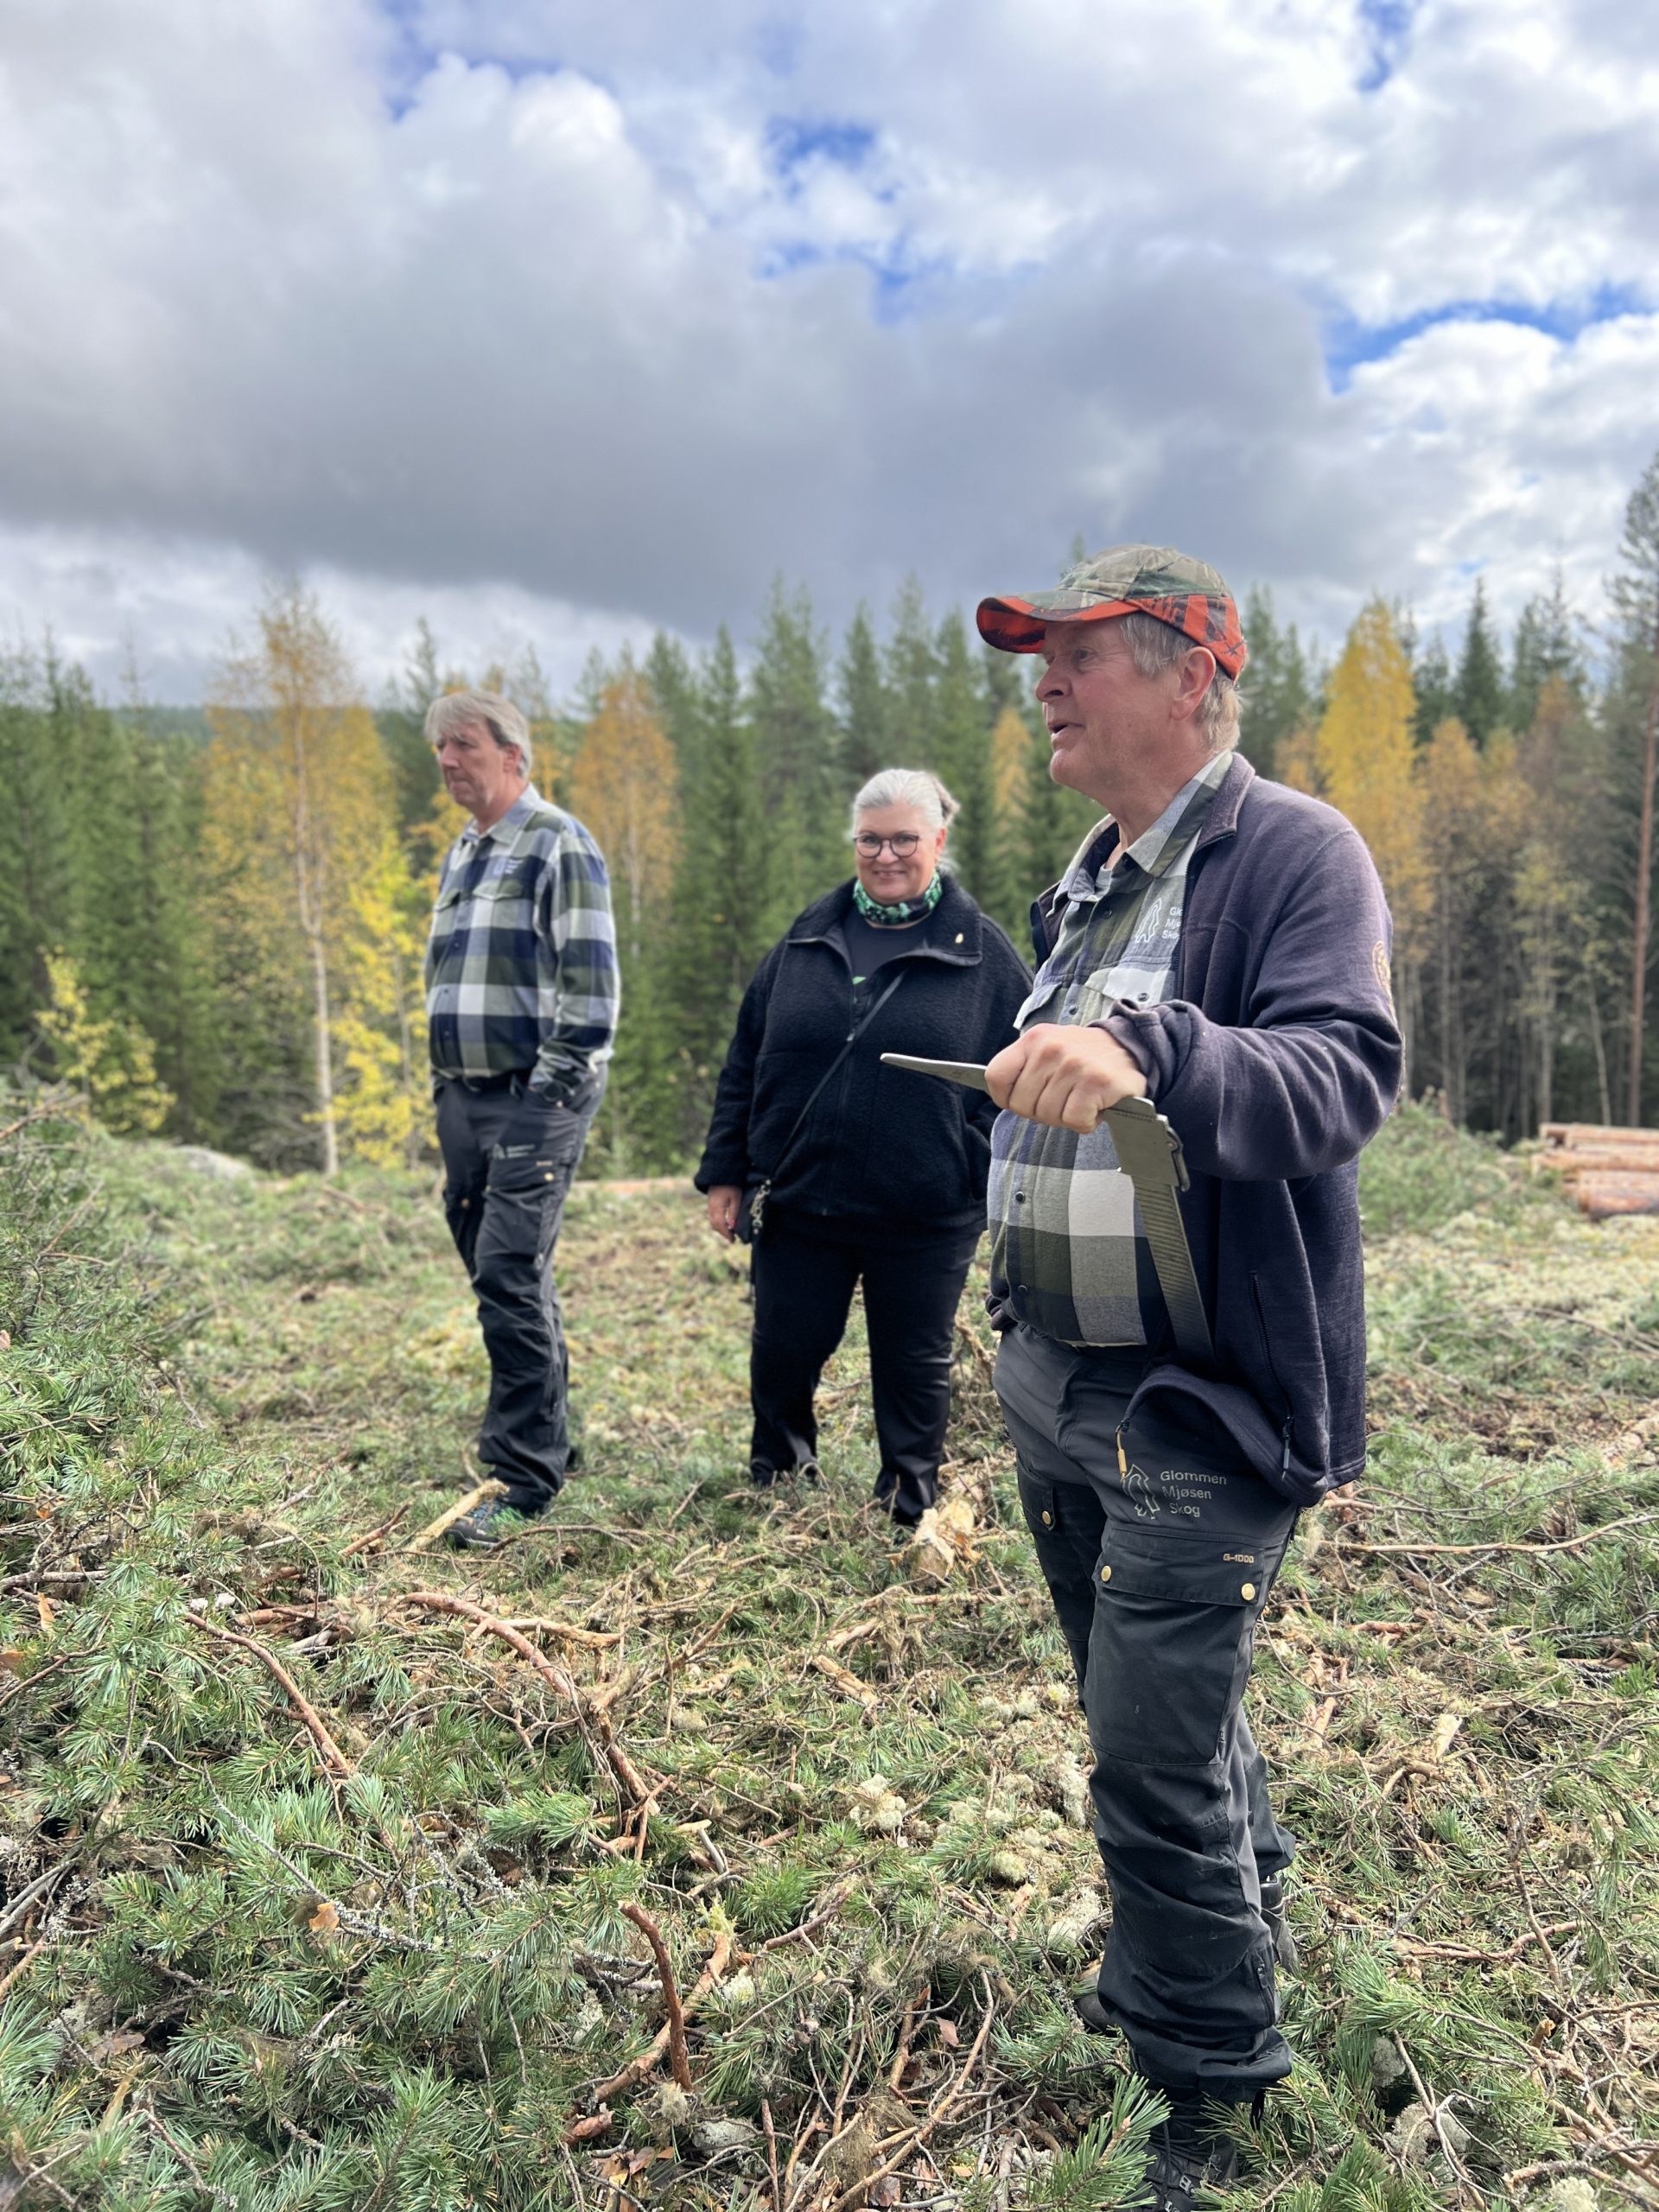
x=491, y=336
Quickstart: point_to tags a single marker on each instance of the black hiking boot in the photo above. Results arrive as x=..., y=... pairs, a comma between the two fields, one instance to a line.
x=765, y=1477
x=1191, y=2151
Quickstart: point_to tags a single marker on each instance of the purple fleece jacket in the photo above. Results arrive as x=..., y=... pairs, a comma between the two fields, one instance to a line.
x=1276, y=1061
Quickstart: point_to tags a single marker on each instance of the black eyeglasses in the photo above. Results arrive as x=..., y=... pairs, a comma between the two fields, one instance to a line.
x=868, y=846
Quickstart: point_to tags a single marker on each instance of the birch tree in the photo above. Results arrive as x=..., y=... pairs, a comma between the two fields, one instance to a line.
x=1363, y=756
x=299, y=797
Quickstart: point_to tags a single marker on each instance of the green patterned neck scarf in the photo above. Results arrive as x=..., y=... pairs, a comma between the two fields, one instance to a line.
x=906, y=910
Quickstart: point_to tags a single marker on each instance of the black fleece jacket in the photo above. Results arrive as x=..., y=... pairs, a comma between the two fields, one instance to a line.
x=1276, y=1061
x=881, y=1147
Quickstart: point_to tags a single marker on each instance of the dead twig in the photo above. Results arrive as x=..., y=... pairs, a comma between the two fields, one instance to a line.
x=913, y=2140
x=826, y=1911
x=590, y=1639
x=18, y=1965
x=906, y=2029
x=1434, y=2111
x=1525, y=1551
x=1505, y=1957
x=653, y=1936
x=771, y=2155
x=635, y=1789
x=335, y=1763
x=373, y=1535
x=637, y=2069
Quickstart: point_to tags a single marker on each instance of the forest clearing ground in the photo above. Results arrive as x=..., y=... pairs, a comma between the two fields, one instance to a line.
x=848, y=1793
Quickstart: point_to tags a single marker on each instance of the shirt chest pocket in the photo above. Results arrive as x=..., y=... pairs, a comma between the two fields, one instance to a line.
x=502, y=902
x=1139, y=984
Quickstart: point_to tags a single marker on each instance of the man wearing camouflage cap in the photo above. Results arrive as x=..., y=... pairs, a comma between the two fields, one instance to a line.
x=1220, y=946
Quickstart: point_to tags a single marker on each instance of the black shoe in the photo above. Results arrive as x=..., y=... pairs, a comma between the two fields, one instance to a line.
x=1085, y=2000
x=573, y=1462
x=1286, y=1957
x=764, y=1478
x=1191, y=2151
x=483, y=1529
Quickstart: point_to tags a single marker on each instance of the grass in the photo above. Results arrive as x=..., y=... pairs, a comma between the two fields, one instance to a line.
x=393, y=1966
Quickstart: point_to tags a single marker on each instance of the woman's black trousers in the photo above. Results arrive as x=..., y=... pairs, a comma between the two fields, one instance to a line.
x=804, y=1276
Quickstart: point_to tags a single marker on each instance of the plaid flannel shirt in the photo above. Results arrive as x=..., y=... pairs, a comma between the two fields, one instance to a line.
x=521, y=963
x=1069, y=1253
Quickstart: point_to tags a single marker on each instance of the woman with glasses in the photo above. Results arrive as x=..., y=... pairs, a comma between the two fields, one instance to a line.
x=840, y=1170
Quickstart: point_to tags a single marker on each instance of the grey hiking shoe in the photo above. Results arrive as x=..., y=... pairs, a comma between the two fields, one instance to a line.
x=483, y=1529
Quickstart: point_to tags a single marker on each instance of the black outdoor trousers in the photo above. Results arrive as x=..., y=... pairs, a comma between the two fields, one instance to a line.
x=509, y=1156
x=804, y=1282
x=1159, y=1572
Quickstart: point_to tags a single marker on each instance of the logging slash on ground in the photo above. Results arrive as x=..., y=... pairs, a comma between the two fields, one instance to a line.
x=701, y=1850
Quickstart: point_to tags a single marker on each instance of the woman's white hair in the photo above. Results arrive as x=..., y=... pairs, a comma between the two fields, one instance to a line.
x=459, y=710
x=917, y=787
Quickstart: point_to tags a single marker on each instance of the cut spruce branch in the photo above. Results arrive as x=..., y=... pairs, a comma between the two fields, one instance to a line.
x=337, y=1765
x=635, y=1790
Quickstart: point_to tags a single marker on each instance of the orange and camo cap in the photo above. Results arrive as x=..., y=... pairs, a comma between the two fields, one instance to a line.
x=1173, y=587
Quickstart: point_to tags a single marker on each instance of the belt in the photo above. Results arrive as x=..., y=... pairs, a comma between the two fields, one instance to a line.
x=504, y=1081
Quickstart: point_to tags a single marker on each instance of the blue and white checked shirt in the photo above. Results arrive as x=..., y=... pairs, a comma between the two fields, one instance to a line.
x=521, y=964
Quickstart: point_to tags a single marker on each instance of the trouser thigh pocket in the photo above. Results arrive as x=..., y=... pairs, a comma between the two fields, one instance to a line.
x=1171, y=1645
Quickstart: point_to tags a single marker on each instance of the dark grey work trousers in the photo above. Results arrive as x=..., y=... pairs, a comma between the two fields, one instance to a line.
x=805, y=1275
x=509, y=1156
x=1158, y=1575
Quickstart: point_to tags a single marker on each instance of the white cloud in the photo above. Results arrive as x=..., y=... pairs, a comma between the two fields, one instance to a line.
x=532, y=317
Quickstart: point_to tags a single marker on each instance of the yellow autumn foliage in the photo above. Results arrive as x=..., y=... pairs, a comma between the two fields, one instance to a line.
x=1365, y=759
x=624, y=788
x=299, y=804
x=111, y=1062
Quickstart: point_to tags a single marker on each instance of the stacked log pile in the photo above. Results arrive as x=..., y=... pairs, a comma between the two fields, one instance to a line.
x=1609, y=1171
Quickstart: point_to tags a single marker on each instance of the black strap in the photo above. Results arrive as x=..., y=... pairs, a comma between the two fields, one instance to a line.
x=853, y=1036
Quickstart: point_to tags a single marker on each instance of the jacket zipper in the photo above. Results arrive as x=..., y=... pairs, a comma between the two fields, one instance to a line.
x=1273, y=1369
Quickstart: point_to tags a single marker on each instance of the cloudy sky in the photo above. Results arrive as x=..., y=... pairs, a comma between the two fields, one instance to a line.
x=556, y=319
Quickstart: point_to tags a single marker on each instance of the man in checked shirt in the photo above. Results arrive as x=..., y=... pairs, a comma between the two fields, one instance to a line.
x=521, y=1002
x=1219, y=944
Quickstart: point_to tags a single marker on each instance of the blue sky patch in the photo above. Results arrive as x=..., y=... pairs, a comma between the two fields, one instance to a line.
x=1386, y=28
x=793, y=140
x=1349, y=343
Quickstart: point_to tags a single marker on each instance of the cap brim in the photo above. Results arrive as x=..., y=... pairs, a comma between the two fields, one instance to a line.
x=1016, y=625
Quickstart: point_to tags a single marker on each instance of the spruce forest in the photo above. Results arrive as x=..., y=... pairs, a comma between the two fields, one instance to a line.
x=708, y=1849
x=212, y=921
